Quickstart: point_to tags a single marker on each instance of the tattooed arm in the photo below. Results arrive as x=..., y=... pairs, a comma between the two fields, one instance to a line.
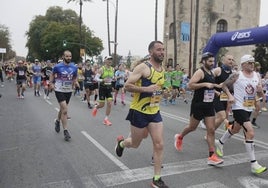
x=228, y=83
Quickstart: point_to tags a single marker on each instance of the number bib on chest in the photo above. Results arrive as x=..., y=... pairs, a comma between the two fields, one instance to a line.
x=208, y=95
x=249, y=102
x=156, y=98
x=66, y=86
x=223, y=97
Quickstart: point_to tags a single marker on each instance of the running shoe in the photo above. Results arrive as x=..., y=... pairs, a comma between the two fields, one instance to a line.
x=107, y=122
x=214, y=160
x=257, y=169
x=185, y=101
x=57, y=125
x=202, y=125
x=22, y=96
x=158, y=183
x=264, y=109
x=219, y=148
x=114, y=102
x=48, y=98
x=67, y=136
x=89, y=106
x=94, y=111
x=123, y=103
x=255, y=125
x=118, y=149
x=177, y=142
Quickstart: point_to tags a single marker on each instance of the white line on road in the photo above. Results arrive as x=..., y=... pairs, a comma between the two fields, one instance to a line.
x=213, y=184
x=105, y=152
x=219, y=131
x=139, y=174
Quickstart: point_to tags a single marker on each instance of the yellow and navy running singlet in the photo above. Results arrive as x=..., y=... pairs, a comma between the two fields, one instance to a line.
x=142, y=101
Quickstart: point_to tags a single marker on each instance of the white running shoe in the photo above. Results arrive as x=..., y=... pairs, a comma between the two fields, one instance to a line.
x=202, y=125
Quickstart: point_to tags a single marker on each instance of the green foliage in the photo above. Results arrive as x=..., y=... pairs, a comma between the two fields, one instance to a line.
x=5, y=43
x=261, y=56
x=47, y=33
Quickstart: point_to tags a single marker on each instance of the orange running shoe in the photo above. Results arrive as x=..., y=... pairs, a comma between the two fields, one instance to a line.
x=214, y=160
x=177, y=142
x=94, y=111
x=107, y=122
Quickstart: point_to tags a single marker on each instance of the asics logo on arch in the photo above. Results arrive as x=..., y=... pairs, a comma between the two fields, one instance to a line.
x=241, y=35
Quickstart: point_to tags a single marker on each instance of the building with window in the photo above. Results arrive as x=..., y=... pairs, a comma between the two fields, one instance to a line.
x=189, y=24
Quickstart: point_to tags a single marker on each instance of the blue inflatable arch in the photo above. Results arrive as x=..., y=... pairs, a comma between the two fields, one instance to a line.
x=257, y=35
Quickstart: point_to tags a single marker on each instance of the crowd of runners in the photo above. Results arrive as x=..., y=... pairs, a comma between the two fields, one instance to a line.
x=214, y=94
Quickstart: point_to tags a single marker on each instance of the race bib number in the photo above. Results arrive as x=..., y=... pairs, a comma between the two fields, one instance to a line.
x=223, y=97
x=66, y=86
x=156, y=98
x=249, y=102
x=21, y=73
x=208, y=95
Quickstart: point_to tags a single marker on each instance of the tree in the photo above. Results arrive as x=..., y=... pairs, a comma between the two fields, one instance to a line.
x=5, y=43
x=261, y=56
x=46, y=35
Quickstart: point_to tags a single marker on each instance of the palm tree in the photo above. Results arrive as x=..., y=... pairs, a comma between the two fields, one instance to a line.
x=80, y=17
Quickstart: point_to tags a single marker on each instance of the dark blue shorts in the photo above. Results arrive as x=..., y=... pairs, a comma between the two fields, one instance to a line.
x=141, y=120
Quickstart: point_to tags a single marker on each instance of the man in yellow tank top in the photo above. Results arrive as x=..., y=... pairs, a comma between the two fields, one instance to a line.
x=146, y=83
x=105, y=76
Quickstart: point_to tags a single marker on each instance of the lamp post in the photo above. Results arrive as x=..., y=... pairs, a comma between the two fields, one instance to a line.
x=115, y=33
x=115, y=29
x=108, y=27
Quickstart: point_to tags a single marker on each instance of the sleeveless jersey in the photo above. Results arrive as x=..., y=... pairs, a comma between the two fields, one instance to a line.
x=64, y=75
x=107, y=73
x=142, y=101
x=245, y=92
x=89, y=76
x=204, y=95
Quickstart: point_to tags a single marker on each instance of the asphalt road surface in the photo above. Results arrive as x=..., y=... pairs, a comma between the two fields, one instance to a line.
x=33, y=155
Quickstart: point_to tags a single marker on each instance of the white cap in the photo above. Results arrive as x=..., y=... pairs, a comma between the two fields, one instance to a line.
x=108, y=57
x=247, y=58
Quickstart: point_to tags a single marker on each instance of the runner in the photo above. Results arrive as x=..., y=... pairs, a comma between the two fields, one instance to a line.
x=105, y=76
x=120, y=77
x=146, y=83
x=202, y=106
x=64, y=76
x=21, y=78
x=37, y=77
x=246, y=84
x=88, y=83
x=46, y=72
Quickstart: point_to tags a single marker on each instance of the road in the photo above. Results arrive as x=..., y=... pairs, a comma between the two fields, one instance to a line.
x=33, y=155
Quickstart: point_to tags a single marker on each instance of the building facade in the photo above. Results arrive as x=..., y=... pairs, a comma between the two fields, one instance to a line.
x=197, y=20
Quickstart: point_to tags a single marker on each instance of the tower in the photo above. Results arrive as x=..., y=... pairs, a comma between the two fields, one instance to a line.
x=195, y=21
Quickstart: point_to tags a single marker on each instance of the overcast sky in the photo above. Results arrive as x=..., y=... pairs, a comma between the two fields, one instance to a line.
x=135, y=21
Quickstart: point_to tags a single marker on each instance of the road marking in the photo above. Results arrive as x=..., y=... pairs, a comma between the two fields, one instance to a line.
x=50, y=103
x=213, y=184
x=219, y=131
x=253, y=182
x=105, y=152
x=9, y=149
x=139, y=174
x=87, y=182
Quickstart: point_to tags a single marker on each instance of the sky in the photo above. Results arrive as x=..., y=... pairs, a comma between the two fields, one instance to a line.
x=135, y=21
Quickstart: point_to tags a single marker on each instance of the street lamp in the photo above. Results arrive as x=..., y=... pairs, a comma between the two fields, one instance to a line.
x=115, y=29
